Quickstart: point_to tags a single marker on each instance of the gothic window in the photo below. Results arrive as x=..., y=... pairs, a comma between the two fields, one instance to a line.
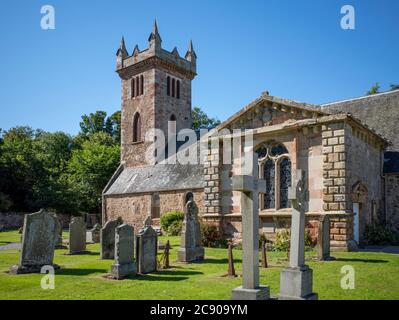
x=155, y=206
x=137, y=86
x=178, y=89
x=132, y=88
x=168, y=86
x=269, y=176
x=141, y=84
x=172, y=117
x=285, y=181
x=136, y=127
x=275, y=168
x=173, y=87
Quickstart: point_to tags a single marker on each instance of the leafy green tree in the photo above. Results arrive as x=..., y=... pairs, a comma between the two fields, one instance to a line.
x=374, y=89
x=99, y=122
x=90, y=168
x=201, y=119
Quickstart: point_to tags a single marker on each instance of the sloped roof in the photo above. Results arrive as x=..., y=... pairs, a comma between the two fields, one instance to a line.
x=379, y=111
x=160, y=177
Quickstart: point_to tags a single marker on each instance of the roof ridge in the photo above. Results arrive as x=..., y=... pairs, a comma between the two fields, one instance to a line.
x=360, y=98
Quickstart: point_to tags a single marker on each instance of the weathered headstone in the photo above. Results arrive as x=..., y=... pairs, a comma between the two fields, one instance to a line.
x=124, y=252
x=165, y=258
x=95, y=233
x=146, y=250
x=77, y=235
x=323, y=239
x=250, y=186
x=190, y=247
x=264, y=256
x=296, y=282
x=107, y=239
x=38, y=242
x=231, y=272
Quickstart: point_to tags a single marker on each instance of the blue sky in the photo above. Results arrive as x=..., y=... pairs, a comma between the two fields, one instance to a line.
x=294, y=49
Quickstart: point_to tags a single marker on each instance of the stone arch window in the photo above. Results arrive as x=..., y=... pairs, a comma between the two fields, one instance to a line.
x=173, y=87
x=136, y=127
x=141, y=84
x=188, y=197
x=178, y=89
x=133, y=87
x=172, y=117
x=168, y=86
x=275, y=168
x=137, y=86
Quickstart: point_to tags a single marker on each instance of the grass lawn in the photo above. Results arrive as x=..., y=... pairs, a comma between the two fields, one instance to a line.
x=82, y=276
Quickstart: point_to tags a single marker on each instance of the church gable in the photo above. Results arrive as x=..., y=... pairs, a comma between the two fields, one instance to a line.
x=268, y=111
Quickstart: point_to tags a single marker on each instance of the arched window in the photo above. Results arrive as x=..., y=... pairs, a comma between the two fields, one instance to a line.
x=132, y=88
x=178, y=89
x=188, y=197
x=141, y=84
x=276, y=170
x=155, y=206
x=168, y=86
x=136, y=127
x=172, y=117
x=137, y=86
x=173, y=87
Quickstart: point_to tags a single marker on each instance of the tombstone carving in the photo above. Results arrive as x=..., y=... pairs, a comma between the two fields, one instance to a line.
x=39, y=238
x=296, y=282
x=250, y=186
x=323, y=239
x=124, y=252
x=146, y=250
x=107, y=239
x=77, y=235
x=190, y=247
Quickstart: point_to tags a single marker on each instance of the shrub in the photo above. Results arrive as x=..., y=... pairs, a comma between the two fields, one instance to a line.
x=380, y=234
x=169, y=218
x=210, y=237
x=282, y=240
x=175, y=228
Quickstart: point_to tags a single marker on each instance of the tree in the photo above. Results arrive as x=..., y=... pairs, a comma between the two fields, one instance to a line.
x=90, y=168
x=99, y=122
x=201, y=119
x=374, y=89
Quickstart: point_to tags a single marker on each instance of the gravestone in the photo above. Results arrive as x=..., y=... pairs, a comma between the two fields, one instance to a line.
x=264, y=256
x=250, y=186
x=165, y=257
x=107, y=239
x=323, y=239
x=296, y=282
x=231, y=271
x=147, y=222
x=190, y=247
x=77, y=235
x=38, y=242
x=95, y=233
x=124, y=252
x=146, y=250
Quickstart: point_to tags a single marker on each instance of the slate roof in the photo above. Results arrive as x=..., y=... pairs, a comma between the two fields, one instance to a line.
x=160, y=177
x=380, y=112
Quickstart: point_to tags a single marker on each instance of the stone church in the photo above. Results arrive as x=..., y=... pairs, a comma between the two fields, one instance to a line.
x=348, y=149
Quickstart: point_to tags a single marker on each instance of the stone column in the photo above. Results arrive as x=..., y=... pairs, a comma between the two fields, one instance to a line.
x=296, y=282
x=250, y=187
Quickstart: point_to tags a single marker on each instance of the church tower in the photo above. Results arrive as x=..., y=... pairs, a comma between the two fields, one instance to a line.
x=156, y=88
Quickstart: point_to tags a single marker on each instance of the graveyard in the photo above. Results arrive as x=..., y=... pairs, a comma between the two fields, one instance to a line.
x=83, y=276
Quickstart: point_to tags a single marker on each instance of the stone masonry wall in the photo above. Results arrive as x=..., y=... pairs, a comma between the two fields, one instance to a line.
x=392, y=200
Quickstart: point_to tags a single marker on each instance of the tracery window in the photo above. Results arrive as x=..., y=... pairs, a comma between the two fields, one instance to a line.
x=275, y=168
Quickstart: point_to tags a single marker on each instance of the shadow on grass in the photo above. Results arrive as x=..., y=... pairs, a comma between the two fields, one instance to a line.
x=85, y=253
x=361, y=260
x=78, y=272
x=166, y=275
x=219, y=261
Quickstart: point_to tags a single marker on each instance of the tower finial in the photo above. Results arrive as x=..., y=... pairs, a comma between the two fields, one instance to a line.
x=190, y=55
x=155, y=34
x=122, y=48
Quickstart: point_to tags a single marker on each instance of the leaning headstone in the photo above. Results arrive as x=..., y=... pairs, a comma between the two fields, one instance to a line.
x=124, y=253
x=296, y=282
x=323, y=239
x=107, y=239
x=264, y=256
x=250, y=186
x=95, y=233
x=38, y=242
x=231, y=272
x=146, y=250
x=77, y=235
x=190, y=247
